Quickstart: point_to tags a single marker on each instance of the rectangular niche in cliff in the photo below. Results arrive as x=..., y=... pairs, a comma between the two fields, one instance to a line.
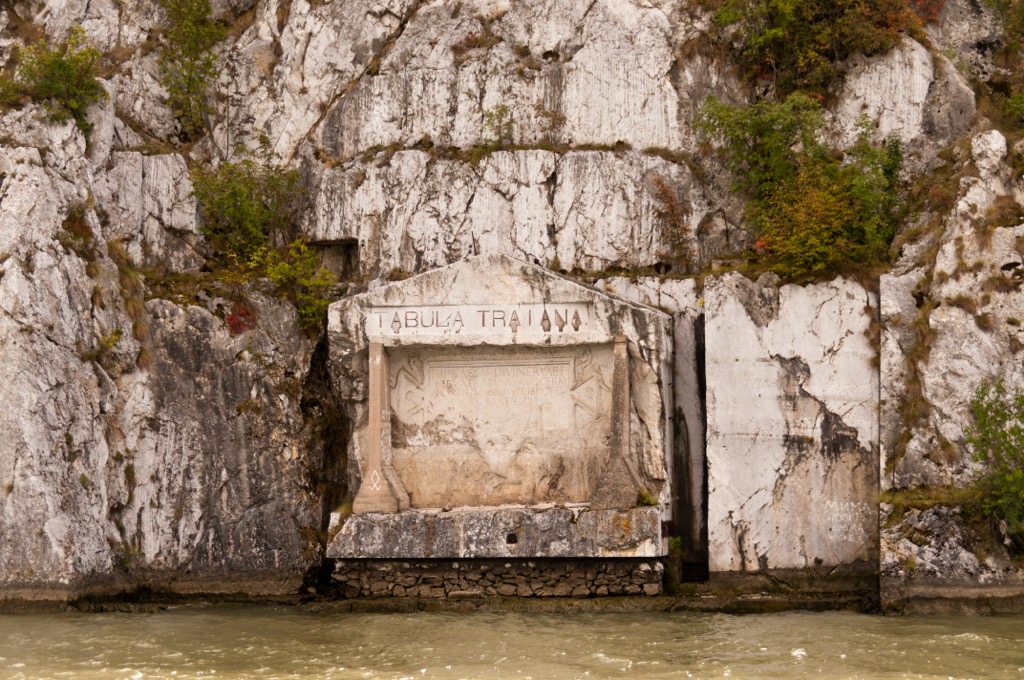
x=340, y=257
x=501, y=410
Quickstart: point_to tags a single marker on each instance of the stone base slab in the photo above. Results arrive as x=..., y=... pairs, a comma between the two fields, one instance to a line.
x=489, y=578
x=951, y=597
x=497, y=533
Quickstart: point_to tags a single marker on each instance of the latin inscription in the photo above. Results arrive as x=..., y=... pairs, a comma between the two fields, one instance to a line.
x=483, y=426
x=457, y=319
x=518, y=385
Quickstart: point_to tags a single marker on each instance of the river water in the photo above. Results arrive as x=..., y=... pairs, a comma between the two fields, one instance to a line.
x=290, y=642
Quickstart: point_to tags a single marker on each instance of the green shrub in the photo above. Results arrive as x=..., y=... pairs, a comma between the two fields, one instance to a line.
x=296, y=272
x=187, y=65
x=10, y=91
x=102, y=353
x=998, y=441
x=758, y=141
x=645, y=498
x=241, y=202
x=499, y=126
x=1005, y=88
x=815, y=209
x=1012, y=14
x=61, y=77
x=797, y=43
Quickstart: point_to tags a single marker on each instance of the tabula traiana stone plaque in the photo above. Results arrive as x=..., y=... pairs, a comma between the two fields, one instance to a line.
x=500, y=409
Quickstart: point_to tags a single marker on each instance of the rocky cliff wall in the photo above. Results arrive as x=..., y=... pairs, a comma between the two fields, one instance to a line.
x=148, y=442
x=141, y=434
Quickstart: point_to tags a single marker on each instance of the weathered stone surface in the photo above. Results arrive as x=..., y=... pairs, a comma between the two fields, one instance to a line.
x=680, y=298
x=475, y=579
x=150, y=208
x=949, y=110
x=139, y=97
x=890, y=90
x=988, y=151
x=145, y=443
x=498, y=532
x=905, y=94
x=469, y=289
x=278, y=81
x=456, y=415
x=928, y=555
x=607, y=87
x=324, y=83
x=970, y=297
x=971, y=30
x=792, y=424
x=191, y=467
x=503, y=391
x=219, y=466
x=586, y=210
x=107, y=23
x=897, y=307
x=950, y=314
x=333, y=84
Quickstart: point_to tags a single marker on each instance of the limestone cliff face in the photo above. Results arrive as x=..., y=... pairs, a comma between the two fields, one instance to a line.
x=137, y=435
x=145, y=439
x=949, y=314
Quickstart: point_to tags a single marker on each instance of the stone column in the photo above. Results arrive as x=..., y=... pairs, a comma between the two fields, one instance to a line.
x=619, y=483
x=375, y=493
x=620, y=399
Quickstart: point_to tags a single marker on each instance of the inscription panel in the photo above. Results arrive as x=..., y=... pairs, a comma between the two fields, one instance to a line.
x=524, y=426
x=563, y=318
x=526, y=387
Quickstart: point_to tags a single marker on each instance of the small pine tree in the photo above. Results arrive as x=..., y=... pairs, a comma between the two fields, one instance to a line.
x=187, y=64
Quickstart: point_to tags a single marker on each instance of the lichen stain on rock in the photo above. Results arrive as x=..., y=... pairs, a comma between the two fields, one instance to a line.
x=759, y=298
x=810, y=426
x=837, y=438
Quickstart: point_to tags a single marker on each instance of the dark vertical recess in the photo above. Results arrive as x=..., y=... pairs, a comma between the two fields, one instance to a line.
x=327, y=461
x=695, y=568
x=688, y=549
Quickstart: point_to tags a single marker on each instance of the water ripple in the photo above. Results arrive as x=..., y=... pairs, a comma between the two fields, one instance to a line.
x=282, y=642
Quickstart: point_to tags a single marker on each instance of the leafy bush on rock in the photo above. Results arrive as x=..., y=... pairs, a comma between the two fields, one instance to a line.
x=295, y=272
x=241, y=201
x=246, y=205
x=187, y=64
x=998, y=441
x=814, y=208
x=62, y=77
x=798, y=44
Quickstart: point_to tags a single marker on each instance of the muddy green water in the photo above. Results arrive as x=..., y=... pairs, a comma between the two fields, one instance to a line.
x=283, y=642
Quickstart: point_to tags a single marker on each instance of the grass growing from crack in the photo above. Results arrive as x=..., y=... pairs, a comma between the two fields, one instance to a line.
x=925, y=497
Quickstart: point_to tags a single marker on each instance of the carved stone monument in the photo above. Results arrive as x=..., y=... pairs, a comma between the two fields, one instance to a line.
x=501, y=410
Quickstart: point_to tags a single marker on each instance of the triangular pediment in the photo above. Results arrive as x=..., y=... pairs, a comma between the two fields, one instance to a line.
x=487, y=300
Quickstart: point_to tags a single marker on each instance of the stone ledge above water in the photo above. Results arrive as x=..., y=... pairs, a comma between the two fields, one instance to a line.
x=498, y=532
